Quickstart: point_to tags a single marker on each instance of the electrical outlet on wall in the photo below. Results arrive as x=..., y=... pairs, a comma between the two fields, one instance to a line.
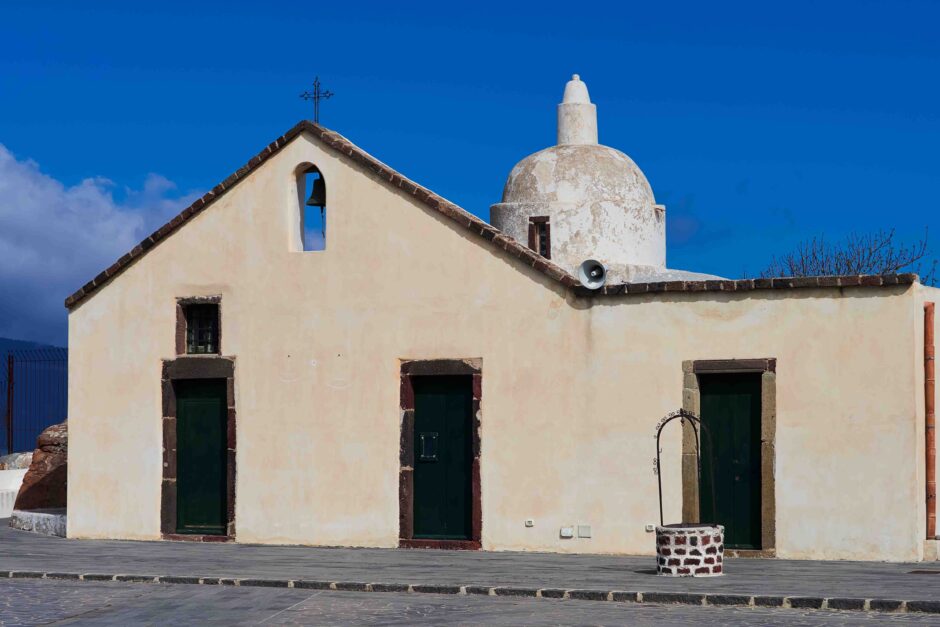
x=584, y=531
x=566, y=532
x=529, y=522
x=650, y=528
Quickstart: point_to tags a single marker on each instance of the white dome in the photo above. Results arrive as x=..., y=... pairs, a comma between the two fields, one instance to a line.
x=596, y=200
x=579, y=173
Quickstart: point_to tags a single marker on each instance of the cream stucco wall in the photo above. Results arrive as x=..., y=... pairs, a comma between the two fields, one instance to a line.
x=572, y=389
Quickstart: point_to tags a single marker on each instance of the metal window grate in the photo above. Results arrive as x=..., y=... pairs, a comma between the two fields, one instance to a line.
x=540, y=235
x=542, y=230
x=202, y=329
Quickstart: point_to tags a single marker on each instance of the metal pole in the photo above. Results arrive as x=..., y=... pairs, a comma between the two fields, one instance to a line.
x=930, y=422
x=659, y=475
x=693, y=421
x=10, y=403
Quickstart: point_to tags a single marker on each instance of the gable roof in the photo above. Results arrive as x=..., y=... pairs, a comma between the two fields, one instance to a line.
x=488, y=234
x=342, y=145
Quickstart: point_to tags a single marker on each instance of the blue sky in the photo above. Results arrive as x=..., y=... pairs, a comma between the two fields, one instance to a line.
x=758, y=124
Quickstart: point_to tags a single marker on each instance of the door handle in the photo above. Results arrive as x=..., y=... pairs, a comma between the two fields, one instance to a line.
x=427, y=446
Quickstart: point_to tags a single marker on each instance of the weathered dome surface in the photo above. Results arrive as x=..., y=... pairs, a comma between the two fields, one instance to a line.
x=594, y=201
x=580, y=200
x=583, y=174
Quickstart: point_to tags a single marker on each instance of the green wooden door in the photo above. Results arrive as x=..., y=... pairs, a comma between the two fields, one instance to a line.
x=201, y=433
x=442, y=445
x=731, y=456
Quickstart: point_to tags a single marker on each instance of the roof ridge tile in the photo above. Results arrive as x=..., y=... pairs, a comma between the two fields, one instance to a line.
x=473, y=223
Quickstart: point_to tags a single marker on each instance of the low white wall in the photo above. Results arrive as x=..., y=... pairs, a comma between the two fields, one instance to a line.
x=12, y=479
x=10, y=482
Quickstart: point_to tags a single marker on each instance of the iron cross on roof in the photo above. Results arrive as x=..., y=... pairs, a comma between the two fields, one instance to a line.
x=316, y=95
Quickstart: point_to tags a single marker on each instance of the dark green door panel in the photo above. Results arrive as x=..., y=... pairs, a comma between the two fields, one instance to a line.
x=731, y=456
x=443, y=454
x=201, y=443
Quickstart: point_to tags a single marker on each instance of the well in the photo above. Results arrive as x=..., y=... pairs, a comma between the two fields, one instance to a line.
x=690, y=550
x=687, y=549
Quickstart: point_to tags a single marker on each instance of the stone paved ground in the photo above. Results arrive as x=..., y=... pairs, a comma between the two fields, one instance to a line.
x=26, y=551
x=30, y=602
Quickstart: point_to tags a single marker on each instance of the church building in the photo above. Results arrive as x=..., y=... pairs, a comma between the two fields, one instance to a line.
x=320, y=351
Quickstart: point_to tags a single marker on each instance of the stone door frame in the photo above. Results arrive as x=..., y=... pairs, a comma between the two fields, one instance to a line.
x=437, y=367
x=195, y=367
x=691, y=401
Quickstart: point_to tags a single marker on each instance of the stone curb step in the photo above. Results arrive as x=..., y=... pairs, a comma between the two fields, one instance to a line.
x=622, y=596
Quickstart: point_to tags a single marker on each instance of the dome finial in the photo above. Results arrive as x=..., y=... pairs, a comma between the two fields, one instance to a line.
x=577, y=117
x=576, y=91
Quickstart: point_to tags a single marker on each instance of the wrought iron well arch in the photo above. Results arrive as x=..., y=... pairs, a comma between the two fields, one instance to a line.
x=697, y=425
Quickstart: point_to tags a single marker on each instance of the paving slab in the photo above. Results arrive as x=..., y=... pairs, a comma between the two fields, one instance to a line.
x=35, y=601
x=228, y=563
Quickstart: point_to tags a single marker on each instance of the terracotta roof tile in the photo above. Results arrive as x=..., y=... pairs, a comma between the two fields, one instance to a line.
x=489, y=235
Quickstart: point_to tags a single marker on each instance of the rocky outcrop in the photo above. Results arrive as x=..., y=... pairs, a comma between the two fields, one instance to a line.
x=44, y=485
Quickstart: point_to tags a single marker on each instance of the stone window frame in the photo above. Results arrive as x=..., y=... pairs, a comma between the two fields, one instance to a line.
x=186, y=368
x=180, y=337
x=691, y=401
x=534, y=222
x=437, y=367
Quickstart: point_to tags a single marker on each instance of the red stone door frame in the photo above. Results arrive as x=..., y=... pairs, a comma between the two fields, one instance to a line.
x=437, y=367
x=197, y=367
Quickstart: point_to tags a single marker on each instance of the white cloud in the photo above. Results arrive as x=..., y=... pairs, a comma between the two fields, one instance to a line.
x=54, y=238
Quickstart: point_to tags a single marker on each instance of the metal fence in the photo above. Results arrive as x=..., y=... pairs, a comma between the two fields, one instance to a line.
x=34, y=389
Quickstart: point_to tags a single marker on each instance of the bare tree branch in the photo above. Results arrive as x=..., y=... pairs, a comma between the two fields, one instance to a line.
x=870, y=253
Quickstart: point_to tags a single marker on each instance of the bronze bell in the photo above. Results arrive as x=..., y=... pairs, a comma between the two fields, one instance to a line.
x=318, y=194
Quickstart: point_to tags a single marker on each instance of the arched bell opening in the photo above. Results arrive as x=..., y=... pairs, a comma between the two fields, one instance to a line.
x=312, y=197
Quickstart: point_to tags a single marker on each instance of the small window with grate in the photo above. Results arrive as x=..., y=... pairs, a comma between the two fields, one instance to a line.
x=202, y=329
x=540, y=236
